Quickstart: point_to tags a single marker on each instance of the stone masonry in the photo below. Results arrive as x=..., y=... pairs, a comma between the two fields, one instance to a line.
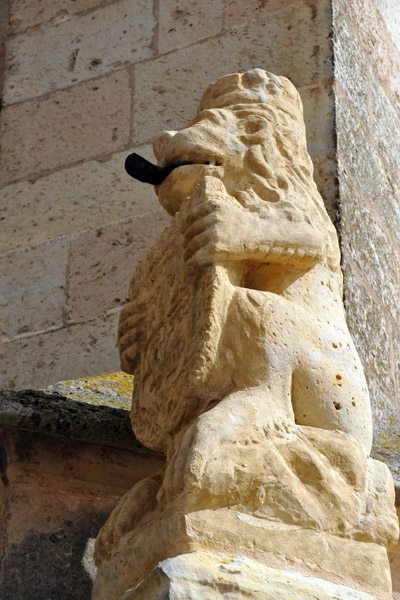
x=367, y=52
x=89, y=81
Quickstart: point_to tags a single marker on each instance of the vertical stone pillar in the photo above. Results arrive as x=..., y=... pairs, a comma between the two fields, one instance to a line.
x=366, y=47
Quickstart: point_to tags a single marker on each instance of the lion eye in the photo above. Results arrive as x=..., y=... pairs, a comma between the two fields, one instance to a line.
x=254, y=125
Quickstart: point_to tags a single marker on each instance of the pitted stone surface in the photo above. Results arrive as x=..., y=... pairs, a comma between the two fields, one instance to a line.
x=245, y=372
x=78, y=48
x=205, y=575
x=69, y=201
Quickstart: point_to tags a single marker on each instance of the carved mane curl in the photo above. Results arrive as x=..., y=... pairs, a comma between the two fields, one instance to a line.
x=270, y=128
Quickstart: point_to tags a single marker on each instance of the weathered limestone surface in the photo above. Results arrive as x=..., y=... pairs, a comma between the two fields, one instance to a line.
x=55, y=351
x=186, y=21
x=77, y=48
x=208, y=576
x=367, y=106
x=24, y=15
x=245, y=372
x=55, y=139
x=74, y=72
x=33, y=291
x=117, y=244
x=72, y=201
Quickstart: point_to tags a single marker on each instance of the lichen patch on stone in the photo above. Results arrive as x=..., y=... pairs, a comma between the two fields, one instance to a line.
x=109, y=389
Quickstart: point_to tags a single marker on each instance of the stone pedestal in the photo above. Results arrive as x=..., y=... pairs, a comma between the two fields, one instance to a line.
x=205, y=546
x=207, y=576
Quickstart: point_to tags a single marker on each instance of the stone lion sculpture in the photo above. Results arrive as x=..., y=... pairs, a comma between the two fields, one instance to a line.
x=263, y=310
x=245, y=372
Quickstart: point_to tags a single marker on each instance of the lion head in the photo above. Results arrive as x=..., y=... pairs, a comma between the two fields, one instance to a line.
x=249, y=133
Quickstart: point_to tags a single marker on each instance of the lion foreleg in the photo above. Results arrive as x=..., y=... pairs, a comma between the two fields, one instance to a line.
x=200, y=466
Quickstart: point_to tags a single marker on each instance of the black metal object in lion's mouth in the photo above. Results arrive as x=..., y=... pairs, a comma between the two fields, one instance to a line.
x=143, y=170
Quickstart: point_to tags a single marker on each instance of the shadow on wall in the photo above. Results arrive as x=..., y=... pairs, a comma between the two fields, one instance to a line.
x=52, y=566
x=63, y=467
x=4, y=12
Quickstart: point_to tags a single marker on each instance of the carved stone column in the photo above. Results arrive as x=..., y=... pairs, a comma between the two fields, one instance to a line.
x=246, y=376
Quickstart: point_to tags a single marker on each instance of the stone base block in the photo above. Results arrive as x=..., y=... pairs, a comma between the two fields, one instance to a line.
x=207, y=576
x=308, y=555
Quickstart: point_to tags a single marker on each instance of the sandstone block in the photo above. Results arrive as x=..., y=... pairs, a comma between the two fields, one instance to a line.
x=371, y=331
x=370, y=33
x=239, y=12
x=318, y=108
x=71, y=352
x=102, y=261
x=362, y=164
x=394, y=558
x=377, y=250
x=386, y=129
x=33, y=288
x=386, y=445
x=207, y=575
x=391, y=17
x=363, y=175
x=71, y=125
x=25, y=14
x=72, y=200
x=79, y=48
x=184, y=23
x=396, y=352
x=162, y=100
x=351, y=68
x=363, y=566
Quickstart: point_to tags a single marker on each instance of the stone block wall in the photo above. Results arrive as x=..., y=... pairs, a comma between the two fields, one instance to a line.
x=86, y=82
x=367, y=98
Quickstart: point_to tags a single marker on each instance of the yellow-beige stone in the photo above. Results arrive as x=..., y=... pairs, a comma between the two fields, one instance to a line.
x=85, y=197
x=246, y=376
x=186, y=22
x=206, y=575
x=71, y=125
x=78, y=48
x=33, y=288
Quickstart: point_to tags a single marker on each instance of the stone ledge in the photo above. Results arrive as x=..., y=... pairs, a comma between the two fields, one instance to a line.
x=55, y=414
